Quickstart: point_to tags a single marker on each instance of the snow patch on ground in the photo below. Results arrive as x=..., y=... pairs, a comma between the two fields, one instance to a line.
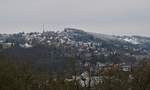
x=26, y=45
x=130, y=40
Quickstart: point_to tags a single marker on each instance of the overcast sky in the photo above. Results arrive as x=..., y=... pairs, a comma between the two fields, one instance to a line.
x=104, y=16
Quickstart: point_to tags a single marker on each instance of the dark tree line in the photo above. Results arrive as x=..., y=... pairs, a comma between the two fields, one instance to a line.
x=15, y=76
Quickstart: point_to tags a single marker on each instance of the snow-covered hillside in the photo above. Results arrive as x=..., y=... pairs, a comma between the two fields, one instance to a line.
x=84, y=42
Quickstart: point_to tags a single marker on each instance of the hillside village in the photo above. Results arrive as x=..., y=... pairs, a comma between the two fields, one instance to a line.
x=75, y=56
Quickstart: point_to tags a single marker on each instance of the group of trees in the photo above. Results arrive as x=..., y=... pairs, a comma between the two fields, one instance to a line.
x=23, y=77
x=138, y=78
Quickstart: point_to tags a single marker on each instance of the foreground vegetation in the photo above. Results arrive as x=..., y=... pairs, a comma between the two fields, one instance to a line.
x=14, y=76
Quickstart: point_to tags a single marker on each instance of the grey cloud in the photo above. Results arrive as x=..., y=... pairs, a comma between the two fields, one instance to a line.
x=104, y=16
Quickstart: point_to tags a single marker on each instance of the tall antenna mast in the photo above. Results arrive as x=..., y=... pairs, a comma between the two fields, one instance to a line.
x=43, y=28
